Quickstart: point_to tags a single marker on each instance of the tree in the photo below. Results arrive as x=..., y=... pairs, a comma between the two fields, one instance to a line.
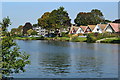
x=56, y=19
x=13, y=31
x=116, y=21
x=89, y=18
x=35, y=25
x=13, y=61
x=34, y=32
x=17, y=31
x=59, y=18
x=30, y=31
x=44, y=21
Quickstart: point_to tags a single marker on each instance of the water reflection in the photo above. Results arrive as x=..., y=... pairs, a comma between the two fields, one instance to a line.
x=54, y=62
x=69, y=59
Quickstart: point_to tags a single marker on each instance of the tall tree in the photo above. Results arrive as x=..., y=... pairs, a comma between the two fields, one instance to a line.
x=93, y=17
x=56, y=19
x=13, y=61
x=17, y=31
x=60, y=18
x=44, y=21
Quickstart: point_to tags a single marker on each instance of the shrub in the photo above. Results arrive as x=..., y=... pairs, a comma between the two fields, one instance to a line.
x=90, y=38
x=63, y=34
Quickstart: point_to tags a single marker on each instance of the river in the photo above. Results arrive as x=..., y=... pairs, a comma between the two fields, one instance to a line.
x=55, y=59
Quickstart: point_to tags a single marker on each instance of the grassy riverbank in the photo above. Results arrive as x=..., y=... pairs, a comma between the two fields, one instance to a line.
x=29, y=38
x=90, y=38
x=110, y=40
x=72, y=39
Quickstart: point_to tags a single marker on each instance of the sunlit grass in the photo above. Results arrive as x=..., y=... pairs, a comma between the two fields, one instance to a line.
x=111, y=40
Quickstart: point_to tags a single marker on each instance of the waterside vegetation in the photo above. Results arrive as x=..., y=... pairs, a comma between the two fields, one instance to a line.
x=90, y=38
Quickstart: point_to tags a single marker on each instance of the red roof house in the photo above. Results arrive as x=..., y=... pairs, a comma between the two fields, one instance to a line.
x=112, y=27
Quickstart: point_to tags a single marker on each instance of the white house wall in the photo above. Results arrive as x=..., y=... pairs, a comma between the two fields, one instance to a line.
x=79, y=31
x=40, y=31
x=109, y=29
x=95, y=29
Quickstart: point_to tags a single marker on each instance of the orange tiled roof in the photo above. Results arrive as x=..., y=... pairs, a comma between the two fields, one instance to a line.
x=91, y=26
x=115, y=26
x=83, y=27
x=102, y=26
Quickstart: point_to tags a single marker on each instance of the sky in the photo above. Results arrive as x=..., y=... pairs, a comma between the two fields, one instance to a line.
x=22, y=12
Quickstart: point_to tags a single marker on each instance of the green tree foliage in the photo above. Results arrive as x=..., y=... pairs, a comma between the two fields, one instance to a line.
x=13, y=61
x=92, y=18
x=55, y=20
x=44, y=21
x=17, y=31
x=29, y=31
x=59, y=18
x=35, y=25
x=34, y=33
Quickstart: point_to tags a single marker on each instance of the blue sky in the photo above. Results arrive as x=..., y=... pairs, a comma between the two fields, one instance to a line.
x=22, y=12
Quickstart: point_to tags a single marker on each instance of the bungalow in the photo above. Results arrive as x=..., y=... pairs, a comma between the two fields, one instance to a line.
x=73, y=29
x=99, y=28
x=113, y=28
x=83, y=29
x=92, y=27
x=80, y=30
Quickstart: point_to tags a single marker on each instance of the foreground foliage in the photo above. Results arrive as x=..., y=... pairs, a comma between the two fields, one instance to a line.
x=93, y=37
x=13, y=60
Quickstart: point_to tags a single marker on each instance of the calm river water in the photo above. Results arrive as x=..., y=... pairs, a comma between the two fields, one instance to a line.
x=54, y=59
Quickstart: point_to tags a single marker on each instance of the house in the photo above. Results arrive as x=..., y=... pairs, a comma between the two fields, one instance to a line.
x=92, y=27
x=26, y=27
x=86, y=29
x=40, y=30
x=112, y=28
x=65, y=30
x=99, y=28
x=83, y=29
x=73, y=29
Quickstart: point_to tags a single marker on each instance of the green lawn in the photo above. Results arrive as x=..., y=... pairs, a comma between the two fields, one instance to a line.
x=29, y=38
x=111, y=40
x=79, y=39
x=63, y=38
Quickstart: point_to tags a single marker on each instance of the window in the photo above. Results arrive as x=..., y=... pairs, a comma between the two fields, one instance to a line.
x=97, y=29
x=88, y=29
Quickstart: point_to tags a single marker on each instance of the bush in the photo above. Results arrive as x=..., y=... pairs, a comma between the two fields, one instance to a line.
x=114, y=40
x=90, y=38
x=63, y=34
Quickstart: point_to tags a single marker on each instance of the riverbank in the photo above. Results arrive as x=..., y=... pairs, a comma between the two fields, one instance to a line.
x=29, y=38
x=72, y=39
x=109, y=40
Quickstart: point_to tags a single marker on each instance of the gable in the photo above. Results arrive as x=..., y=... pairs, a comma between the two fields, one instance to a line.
x=79, y=30
x=109, y=28
x=87, y=29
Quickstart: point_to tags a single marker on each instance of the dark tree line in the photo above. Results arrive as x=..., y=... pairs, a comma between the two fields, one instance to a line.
x=56, y=19
x=59, y=19
x=90, y=18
